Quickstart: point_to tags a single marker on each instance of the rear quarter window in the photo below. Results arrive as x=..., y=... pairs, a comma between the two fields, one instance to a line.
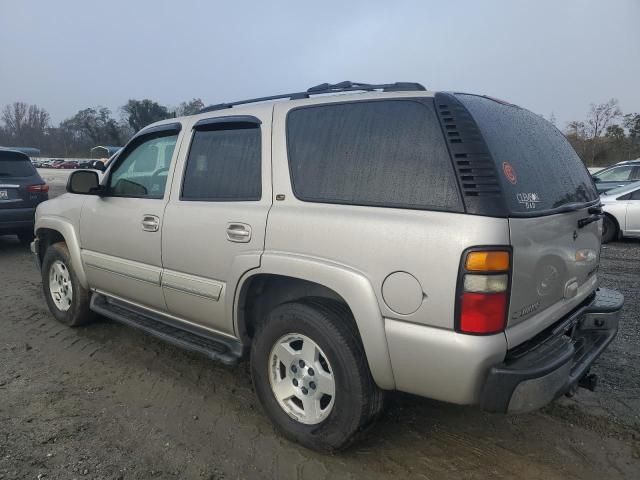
x=387, y=153
x=538, y=169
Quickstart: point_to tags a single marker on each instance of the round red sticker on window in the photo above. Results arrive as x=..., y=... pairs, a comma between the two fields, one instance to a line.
x=509, y=172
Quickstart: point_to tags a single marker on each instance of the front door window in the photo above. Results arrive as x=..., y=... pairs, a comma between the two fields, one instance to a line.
x=142, y=171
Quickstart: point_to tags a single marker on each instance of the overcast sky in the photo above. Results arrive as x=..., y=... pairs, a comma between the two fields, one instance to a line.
x=549, y=56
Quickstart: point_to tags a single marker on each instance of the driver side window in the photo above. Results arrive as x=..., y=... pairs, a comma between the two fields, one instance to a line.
x=143, y=170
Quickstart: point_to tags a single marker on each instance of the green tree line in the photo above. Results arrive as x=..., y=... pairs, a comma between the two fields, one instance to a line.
x=605, y=136
x=24, y=125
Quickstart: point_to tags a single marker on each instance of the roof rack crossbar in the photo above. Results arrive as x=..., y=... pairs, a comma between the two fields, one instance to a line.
x=323, y=88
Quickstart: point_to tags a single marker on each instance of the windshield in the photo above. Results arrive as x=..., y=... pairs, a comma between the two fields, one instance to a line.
x=538, y=169
x=16, y=168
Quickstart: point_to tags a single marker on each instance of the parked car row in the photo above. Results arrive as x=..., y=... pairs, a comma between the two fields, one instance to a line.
x=59, y=163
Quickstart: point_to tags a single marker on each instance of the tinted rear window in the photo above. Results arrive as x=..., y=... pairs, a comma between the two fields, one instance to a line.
x=537, y=167
x=380, y=153
x=16, y=167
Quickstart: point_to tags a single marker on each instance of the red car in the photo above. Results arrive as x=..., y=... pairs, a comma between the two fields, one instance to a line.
x=56, y=163
x=66, y=165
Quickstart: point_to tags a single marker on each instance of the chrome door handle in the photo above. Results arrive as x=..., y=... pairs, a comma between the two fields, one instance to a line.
x=238, y=232
x=150, y=223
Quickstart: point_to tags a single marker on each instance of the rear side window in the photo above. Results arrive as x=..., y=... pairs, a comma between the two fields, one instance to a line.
x=14, y=166
x=224, y=165
x=387, y=153
x=537, y=167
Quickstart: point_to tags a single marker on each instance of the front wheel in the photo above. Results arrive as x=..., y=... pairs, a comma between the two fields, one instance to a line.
x=311, y=374
x=67, y=299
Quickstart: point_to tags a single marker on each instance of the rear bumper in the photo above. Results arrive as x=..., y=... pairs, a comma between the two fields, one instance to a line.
x=552, y=364
x=12, y=219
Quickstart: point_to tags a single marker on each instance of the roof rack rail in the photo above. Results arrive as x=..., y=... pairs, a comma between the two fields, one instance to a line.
x=324, y=88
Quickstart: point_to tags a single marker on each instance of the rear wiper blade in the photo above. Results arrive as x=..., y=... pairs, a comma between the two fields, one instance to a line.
x=570, y=207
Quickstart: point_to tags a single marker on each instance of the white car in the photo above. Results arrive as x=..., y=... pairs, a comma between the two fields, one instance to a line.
x=621, y=212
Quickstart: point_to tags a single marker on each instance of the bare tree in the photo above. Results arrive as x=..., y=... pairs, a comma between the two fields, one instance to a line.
x=25, y=124
x=189, y=108
x=600, y=117
x=576, y=134
x=37, y=119
x=14, y=117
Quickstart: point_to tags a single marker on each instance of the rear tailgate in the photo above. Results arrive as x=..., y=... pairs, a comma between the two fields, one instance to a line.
x=554, y=270
x=548, y=193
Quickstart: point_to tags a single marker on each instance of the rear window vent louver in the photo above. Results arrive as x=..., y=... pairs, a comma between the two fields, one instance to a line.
x=475, y=169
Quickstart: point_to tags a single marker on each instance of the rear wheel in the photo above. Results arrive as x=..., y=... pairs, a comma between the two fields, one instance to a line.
x=311, y=375
x=609, y=229
x=68, y=301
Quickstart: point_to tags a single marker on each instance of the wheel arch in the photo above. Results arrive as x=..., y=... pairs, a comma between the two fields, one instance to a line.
x=616, y=223
x=50, y=230
x=282, y=278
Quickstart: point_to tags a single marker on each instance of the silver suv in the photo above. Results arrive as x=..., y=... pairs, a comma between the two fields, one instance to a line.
x=384, y=238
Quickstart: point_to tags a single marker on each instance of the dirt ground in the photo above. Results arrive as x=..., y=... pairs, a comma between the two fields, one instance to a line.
x=108, y=402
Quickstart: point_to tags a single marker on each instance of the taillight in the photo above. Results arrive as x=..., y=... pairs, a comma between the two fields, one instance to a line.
x=483, y=290
x=39, y=188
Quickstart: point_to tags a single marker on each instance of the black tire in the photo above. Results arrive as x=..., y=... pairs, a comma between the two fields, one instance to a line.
x=609, y=229
x=25, y=237
x=358, y=400
x=78, y=312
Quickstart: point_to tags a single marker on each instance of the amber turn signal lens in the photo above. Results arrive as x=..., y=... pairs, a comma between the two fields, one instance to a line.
x=491, y=261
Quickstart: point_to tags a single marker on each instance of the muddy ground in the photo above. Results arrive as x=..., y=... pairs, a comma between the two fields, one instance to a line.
x=108, y=402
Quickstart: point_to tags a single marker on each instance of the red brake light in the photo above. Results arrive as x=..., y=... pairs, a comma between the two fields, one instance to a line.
x=39, y=188
x=483, y=290
x=483, y=313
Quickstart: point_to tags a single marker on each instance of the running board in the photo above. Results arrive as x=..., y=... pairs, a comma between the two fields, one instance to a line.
x=216, y=347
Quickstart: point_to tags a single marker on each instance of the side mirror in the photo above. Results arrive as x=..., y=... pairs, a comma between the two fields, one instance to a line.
x=83, y=182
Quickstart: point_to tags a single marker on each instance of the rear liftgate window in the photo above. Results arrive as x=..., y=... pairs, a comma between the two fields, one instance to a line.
x=538, y=169
x=387, y=153
x=13, y=166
